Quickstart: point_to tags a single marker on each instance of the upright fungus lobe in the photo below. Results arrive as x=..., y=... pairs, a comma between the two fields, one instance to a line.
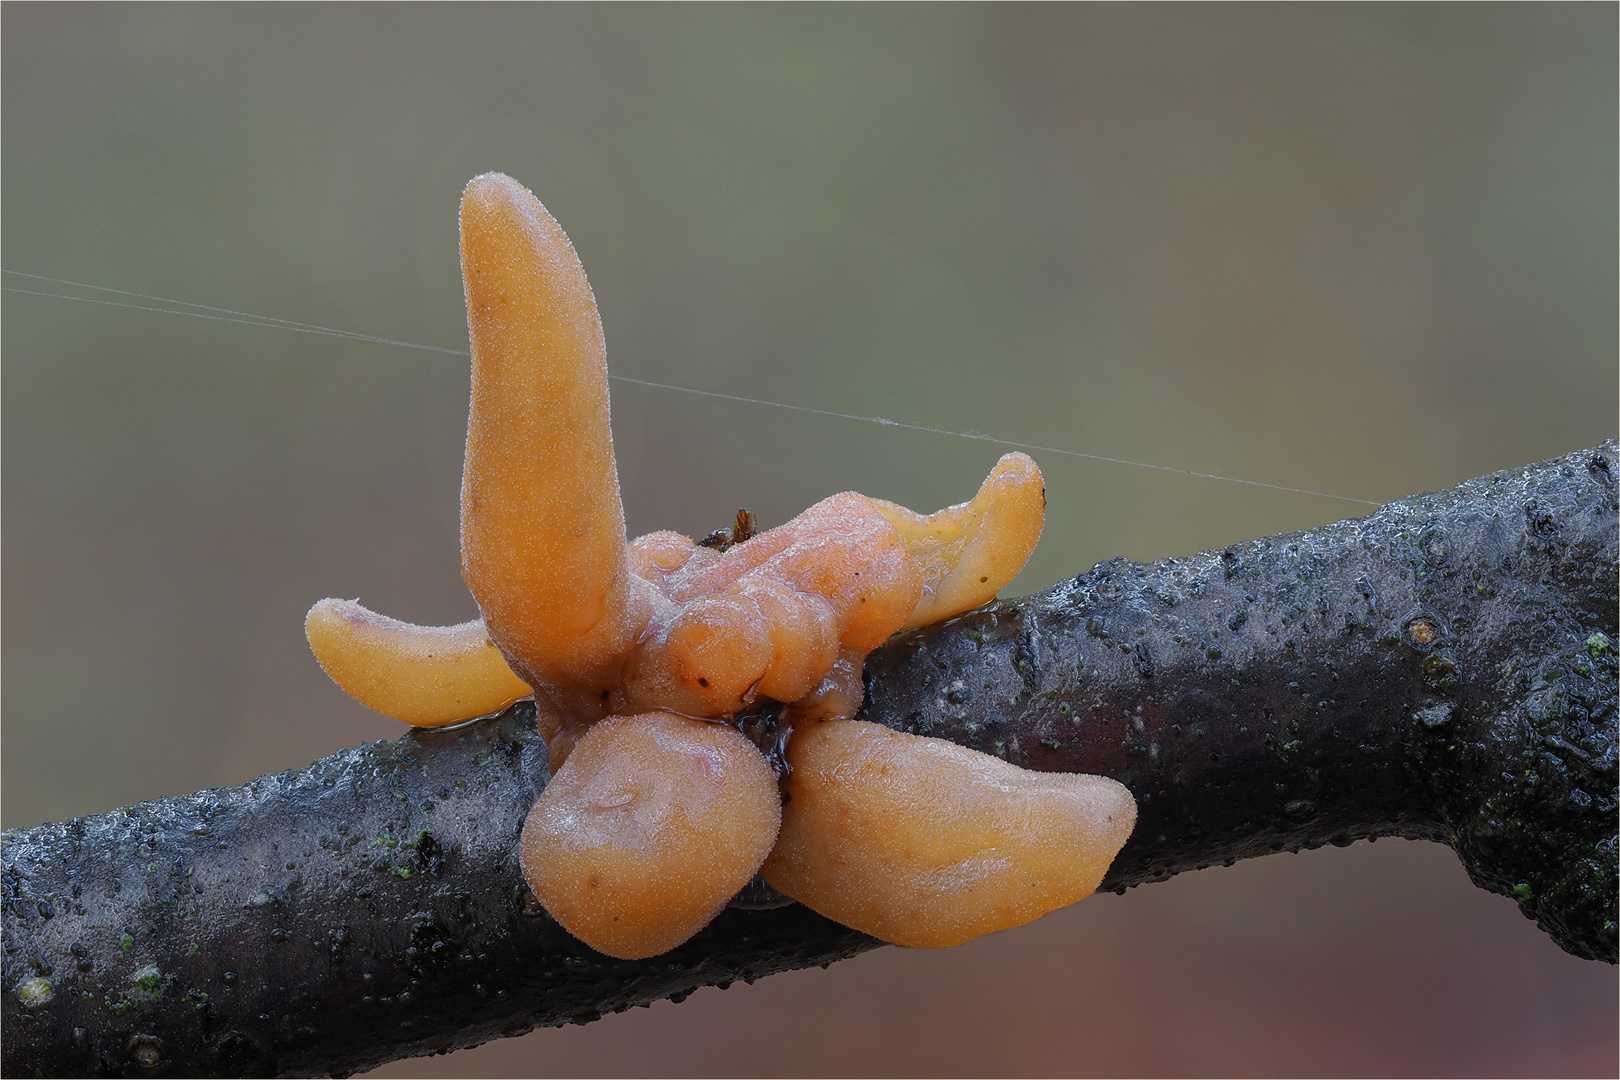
x=542, y=525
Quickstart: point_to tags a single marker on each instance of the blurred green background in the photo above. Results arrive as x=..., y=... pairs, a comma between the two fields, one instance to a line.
x=1366, y=250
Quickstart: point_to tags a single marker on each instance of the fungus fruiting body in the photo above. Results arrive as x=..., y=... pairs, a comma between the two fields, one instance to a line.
x=637, y=651
x=655, y=822
x=926, y=843
x=427, y=676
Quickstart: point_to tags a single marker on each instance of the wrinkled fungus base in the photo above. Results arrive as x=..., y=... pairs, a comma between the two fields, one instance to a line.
x=655, y=817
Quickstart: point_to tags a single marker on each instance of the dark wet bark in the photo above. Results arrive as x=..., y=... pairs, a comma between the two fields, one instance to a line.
x=1444, y=669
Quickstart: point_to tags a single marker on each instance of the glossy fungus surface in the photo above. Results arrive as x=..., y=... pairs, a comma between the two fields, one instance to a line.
x=652, y=825
x=968, y=552
x=424, y=675
x=925, y=843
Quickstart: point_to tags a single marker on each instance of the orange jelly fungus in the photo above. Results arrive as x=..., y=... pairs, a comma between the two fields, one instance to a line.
x=542, y=525
x=969, y=551
x=424, y=675
x=925, y=843
x=652, y=820
x=603, y=627
x=656, y=822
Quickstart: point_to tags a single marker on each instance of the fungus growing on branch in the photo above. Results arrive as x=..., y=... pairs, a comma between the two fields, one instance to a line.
x=656, y=822
x=658, y=814
x=427, y=676
x=925, y=843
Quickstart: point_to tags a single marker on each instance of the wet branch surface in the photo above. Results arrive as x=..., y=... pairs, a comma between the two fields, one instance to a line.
x=1441, y=670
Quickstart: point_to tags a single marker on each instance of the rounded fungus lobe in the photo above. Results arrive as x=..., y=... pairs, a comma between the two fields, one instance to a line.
x=542, y=526
x=654, y=823
x=424, y=675
x=924, y=843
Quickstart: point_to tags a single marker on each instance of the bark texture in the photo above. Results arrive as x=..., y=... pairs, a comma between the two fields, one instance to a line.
x=1444, y=669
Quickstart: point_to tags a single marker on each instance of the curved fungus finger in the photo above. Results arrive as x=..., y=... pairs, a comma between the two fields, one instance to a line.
x=542, y=526
x=651, y=826
x=925, y=843
x=427, y=676
x=970, y=551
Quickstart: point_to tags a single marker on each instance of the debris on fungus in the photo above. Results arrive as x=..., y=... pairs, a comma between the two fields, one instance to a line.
x=658, y=812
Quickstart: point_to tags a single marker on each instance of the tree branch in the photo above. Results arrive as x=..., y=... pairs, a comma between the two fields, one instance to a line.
x=1443, y=669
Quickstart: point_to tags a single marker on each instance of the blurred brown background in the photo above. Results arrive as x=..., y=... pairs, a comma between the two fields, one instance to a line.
x=1366, y=250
